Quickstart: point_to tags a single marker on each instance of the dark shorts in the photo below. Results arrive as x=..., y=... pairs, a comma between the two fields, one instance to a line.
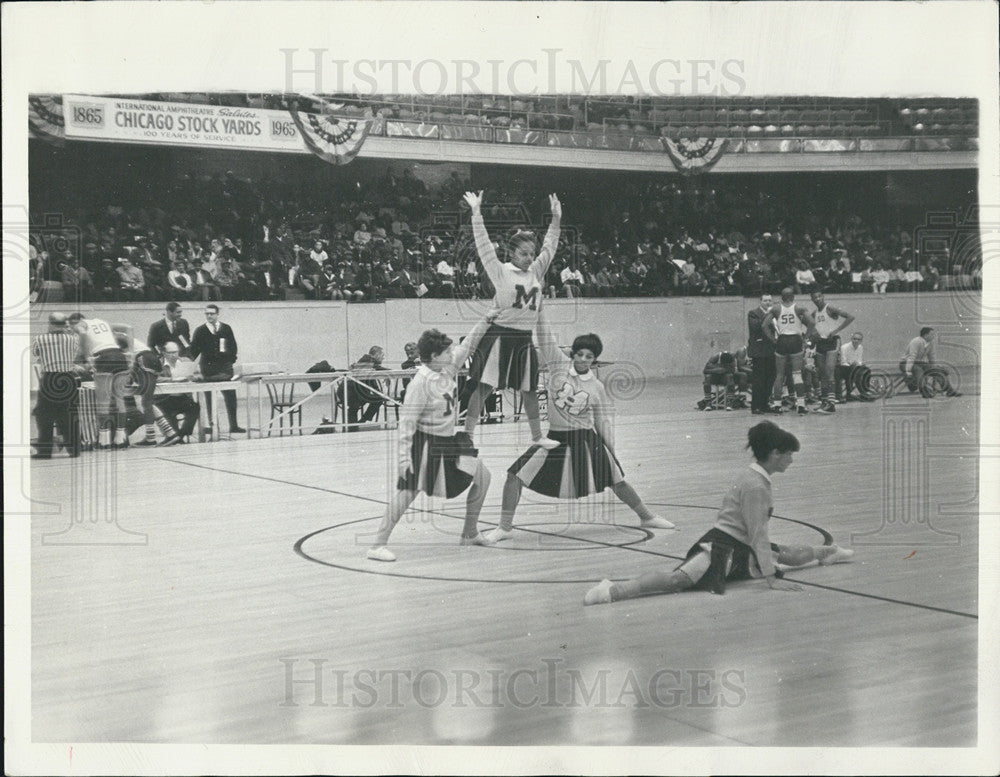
x=827, y=344
x=788, y=345
x=110, y=361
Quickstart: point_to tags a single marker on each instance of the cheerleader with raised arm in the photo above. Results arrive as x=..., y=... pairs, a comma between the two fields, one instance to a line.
x=581, y=421
x=433, y=458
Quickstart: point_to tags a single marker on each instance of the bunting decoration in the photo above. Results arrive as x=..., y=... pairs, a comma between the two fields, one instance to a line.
x=336, y=139
x=45, y=119
x=694, y=155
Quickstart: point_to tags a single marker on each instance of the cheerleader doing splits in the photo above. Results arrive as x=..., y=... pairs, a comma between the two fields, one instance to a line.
x=432, y=457
x=738, y=546
x=513, y=363
x=580, y=420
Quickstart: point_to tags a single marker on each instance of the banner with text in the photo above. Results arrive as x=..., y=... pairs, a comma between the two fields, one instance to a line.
x=127, y=120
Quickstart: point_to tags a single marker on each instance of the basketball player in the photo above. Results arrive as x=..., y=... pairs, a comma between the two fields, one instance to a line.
x=513, y=363
x=829, y=322
x=580, y=420
x=146, y=367
x=98, y=345
x=788, y=319
x=738, y=546
x=432, y=457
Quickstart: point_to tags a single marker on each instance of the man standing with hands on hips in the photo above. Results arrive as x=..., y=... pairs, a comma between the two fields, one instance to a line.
x=214, y=344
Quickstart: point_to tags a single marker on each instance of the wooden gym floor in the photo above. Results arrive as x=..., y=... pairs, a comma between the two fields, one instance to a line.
x=219, y=593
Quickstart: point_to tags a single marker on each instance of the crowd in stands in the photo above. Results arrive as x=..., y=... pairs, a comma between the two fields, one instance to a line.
x=225, y=238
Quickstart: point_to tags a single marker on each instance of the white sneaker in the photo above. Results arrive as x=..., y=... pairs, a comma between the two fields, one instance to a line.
x=499, y=535
x=546, y=443
x=479, y=539
x=381, y=553
x=839, y=556
x=657, y=522
x=599, y=594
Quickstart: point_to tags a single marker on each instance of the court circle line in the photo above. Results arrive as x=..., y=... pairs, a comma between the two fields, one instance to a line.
x=299, y=550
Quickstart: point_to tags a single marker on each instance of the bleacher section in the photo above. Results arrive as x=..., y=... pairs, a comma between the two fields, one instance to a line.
x=670, y=117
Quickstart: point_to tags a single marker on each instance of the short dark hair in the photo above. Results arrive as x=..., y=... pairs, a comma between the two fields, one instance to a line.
x=432, y=343
x=926, y=331
x=589, y=341
x=766, y=437
x=726, y=358
x=172, y=306
x=212, y=306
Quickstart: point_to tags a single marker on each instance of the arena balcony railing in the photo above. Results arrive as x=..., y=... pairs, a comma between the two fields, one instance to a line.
x=672, y=117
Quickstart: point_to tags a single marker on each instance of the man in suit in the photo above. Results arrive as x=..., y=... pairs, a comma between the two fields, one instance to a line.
x=761, y=350
x=214, y=345
x=172, y=328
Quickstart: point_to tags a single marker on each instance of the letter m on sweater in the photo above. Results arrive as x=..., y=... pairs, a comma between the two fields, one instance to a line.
x=522, y=297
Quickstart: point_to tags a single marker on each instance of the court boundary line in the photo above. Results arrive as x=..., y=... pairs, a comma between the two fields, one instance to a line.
x=629, y=548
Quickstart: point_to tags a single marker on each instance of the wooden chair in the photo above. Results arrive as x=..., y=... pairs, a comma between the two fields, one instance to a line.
x=280, y=395
x=282, y=398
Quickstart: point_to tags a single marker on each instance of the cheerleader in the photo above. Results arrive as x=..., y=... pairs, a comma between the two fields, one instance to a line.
x=432, y=457
x=738, y=546
x=580, y=420
x=519, y=283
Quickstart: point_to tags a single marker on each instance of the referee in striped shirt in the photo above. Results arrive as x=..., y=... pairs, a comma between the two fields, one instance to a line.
x=59, y=388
